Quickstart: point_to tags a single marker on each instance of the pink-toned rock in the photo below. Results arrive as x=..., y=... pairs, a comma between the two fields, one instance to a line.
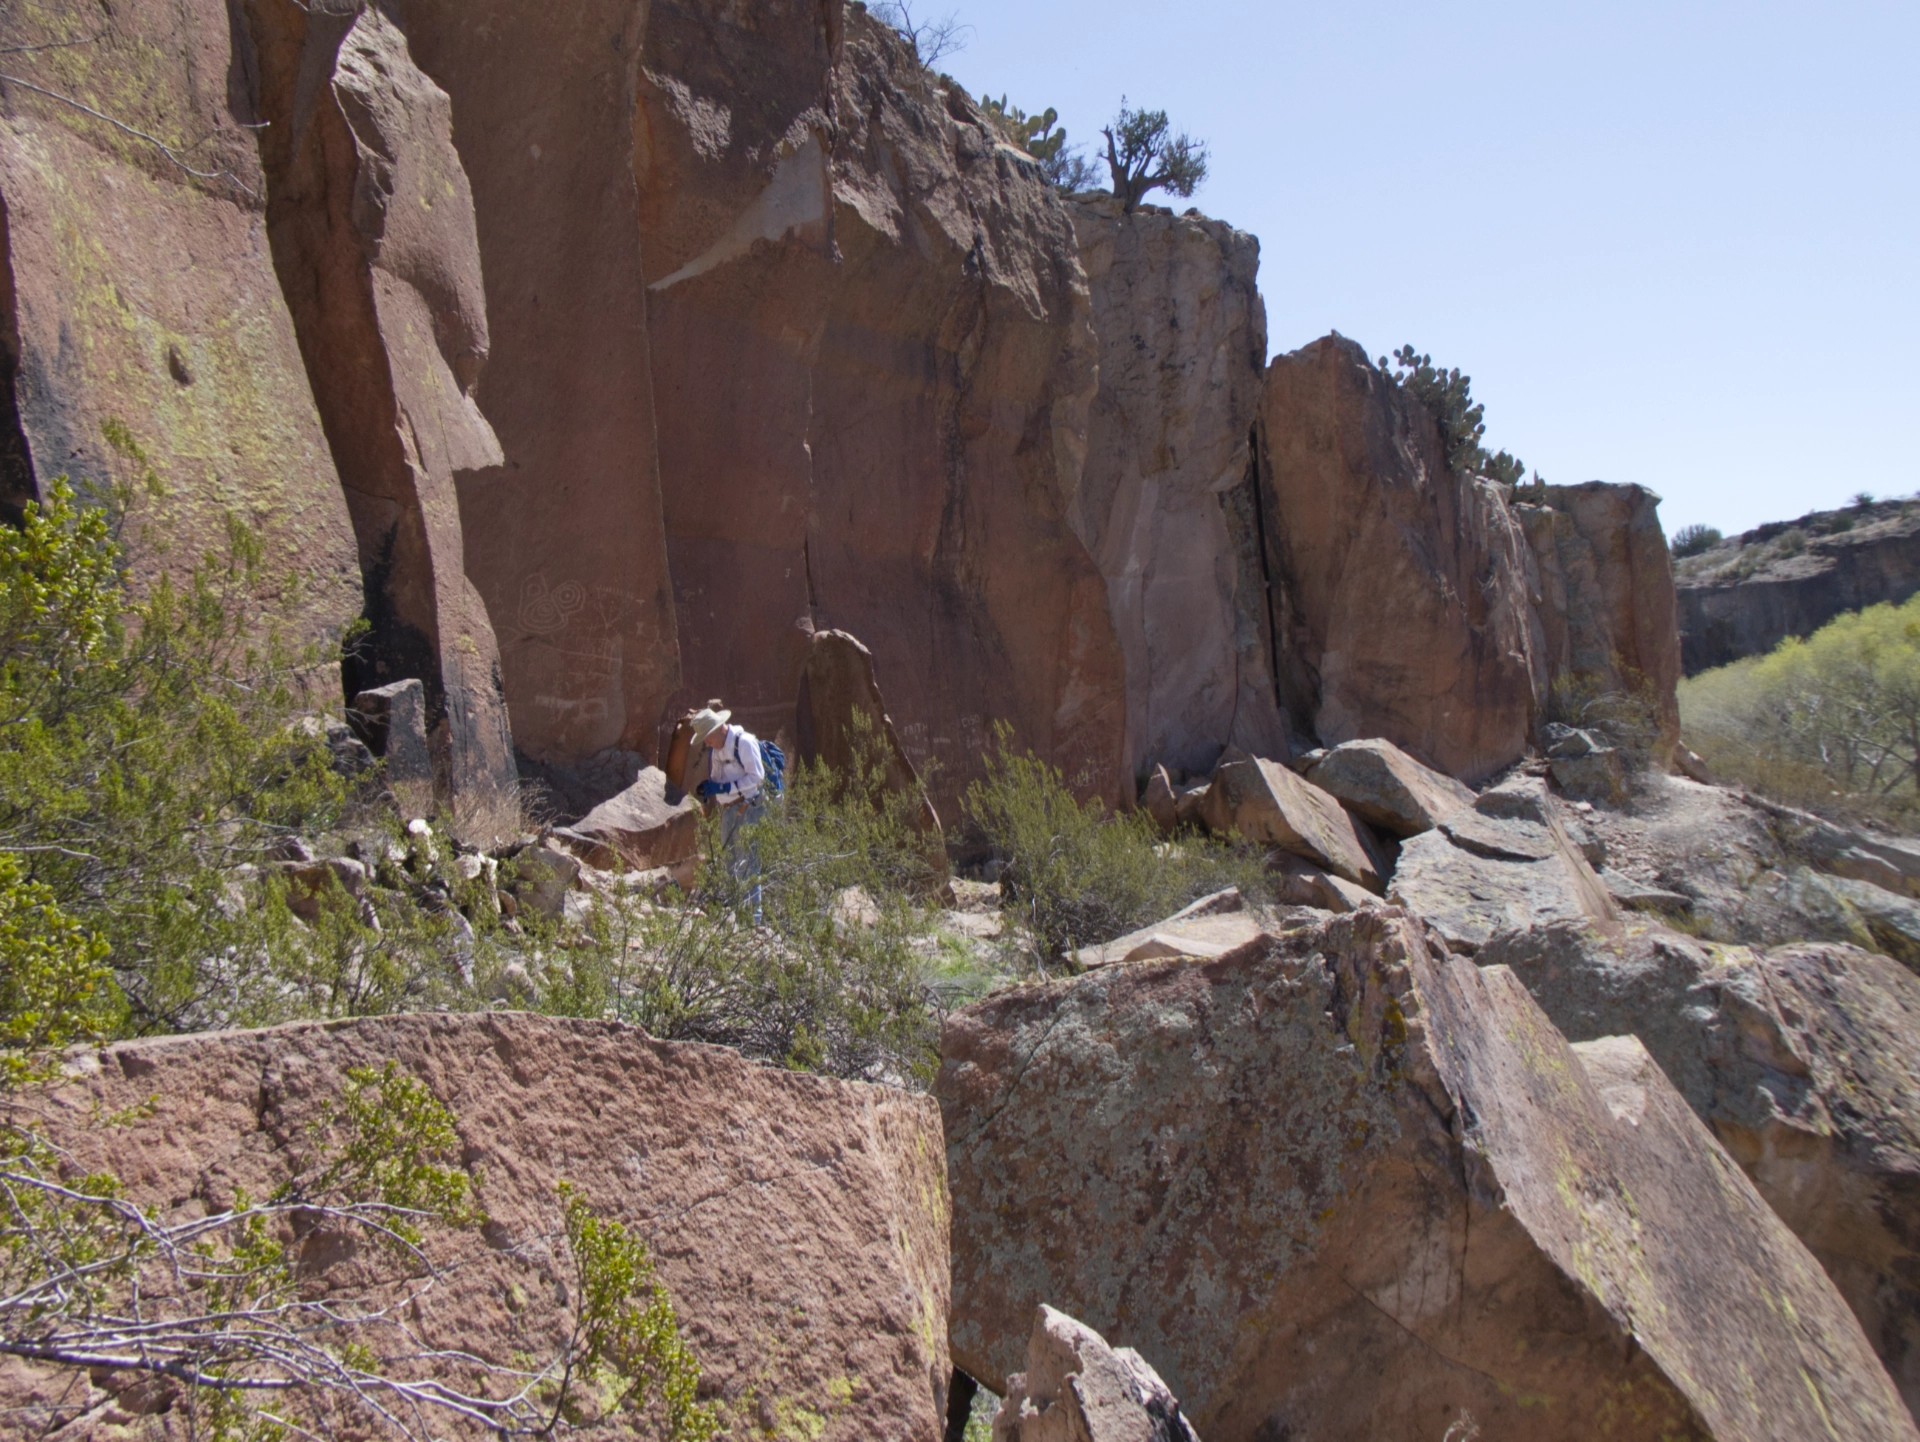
x=799, y=1223
x=1387, y=788
x=1165, y=503
x=372, y=227
x=640, y=828
x=139, y=293
x=1403, y=600
x=1265, y=802
x=842, y=720
x=1078, y=1389
x=1337, y=1184
x=1606, y=596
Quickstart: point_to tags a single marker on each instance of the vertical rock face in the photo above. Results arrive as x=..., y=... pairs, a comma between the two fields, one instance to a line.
x=372, y=228
x=1165, y=504
x=1334, y=1184
x=135, y=291
x=1402, y=604
x=873, y=365
x=562, y=531
x=1606, y=598
x=799, y=1223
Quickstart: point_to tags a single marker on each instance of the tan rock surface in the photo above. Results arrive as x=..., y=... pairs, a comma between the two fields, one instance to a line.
x=140, y=293
x=1209, y=927
x=1265, y=802
x=799, y=1222
x=1333, y=1184
x=640, y=827
x=372, y=227
x=1165, y=504
x=1387, y=788
x=1403, y=589
x=1802, y=1060
x=1078, y=1389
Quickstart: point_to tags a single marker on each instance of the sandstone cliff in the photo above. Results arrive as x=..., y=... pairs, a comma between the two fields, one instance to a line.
x=1744, y=597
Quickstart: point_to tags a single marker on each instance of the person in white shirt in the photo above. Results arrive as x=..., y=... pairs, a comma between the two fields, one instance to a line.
x=736, y=775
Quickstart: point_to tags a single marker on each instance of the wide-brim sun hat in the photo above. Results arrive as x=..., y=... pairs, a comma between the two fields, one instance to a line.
x=707, y=721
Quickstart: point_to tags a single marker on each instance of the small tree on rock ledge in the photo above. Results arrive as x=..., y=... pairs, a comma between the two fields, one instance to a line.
x=1145, y=155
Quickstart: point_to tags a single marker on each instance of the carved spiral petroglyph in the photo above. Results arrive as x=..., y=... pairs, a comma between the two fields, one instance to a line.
x=545, y=609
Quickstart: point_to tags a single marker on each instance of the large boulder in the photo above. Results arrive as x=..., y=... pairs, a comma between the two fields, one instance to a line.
x=1803, y=1062
x=1404, y=604
x=1165, y=501
x=1387, y=788
x=1078, y=1389
x=799, y=1223
x=372, y=226
x=841, y=720
x=1337, y=1184
x=139, y=289
x=1263, y=801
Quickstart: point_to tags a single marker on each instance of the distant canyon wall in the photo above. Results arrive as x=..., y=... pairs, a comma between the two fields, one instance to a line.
x=600, y=356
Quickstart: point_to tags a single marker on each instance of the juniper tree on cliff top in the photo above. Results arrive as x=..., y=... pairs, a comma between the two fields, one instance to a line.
x=1144, y=155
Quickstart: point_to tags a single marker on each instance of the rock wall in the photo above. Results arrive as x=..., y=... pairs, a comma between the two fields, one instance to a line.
x=1725, y=615
x=1164, y=503
x=371, y=221
x=873, y=365
x=799, y=1223
x=139, y=288
x=1401, y=599
x=1605, y=597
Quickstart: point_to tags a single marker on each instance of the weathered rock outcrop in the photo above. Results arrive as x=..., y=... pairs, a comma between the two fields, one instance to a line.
x=135, y=290
x=1605, y=597
x=1078, y=1389
x=1262, y=801
x=640, y=828
x=841, y=720
x=1402, y=603
x=1743, y=598
x=872, y=365
x=1387, y=788
x=800, y=1223
x=1166, y=504
x=372, y=227
x=1802, y=1062
x=1333, y=1184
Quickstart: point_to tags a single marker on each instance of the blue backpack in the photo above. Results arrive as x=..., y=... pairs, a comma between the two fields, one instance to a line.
x=774, y=761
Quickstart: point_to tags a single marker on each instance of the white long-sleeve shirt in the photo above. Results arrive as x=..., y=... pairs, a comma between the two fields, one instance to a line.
x=737, y=766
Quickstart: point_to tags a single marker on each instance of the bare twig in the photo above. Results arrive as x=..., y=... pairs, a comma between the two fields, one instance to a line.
x=158, y=144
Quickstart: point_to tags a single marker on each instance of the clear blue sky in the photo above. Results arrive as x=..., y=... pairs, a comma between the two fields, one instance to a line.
x=1672, y=243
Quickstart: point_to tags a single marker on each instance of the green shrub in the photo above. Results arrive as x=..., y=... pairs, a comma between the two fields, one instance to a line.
x=1828, y=722
x=1075, y=876
x=1693, y=540
x=1448, y=398
x=1791, y=542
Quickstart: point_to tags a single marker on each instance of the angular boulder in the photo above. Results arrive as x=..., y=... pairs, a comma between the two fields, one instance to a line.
x=1263, y=801
x=1387, y=788
x=1165, y=502
x=640, y=828
x=1403, y=601
x=1078, y=1389
x=798, y=1222
x=1211, y=926
x=1335, y=1184
x=1805, y=1062
x=842, y=722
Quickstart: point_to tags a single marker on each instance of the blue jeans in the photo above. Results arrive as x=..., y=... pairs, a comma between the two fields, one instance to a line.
x=743, y=861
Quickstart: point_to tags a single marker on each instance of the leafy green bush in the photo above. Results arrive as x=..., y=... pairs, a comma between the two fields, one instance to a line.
x=1828, y=722
x=1076, y=876
x=1448, y=397
x=1692, y=540
x=1791, y=542
x=1144, y=154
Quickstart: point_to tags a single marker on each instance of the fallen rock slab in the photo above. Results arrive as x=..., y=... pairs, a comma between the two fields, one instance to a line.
x=1212, y=926
x=1335, y=1184
x=639, y=829
x=1803, y=1061
x=1078, y=1389
x=1264, y=801
x=799, y=1222
x=1387, y=788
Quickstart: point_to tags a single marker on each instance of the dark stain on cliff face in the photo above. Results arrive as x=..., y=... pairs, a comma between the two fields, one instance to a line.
x=17, y=485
